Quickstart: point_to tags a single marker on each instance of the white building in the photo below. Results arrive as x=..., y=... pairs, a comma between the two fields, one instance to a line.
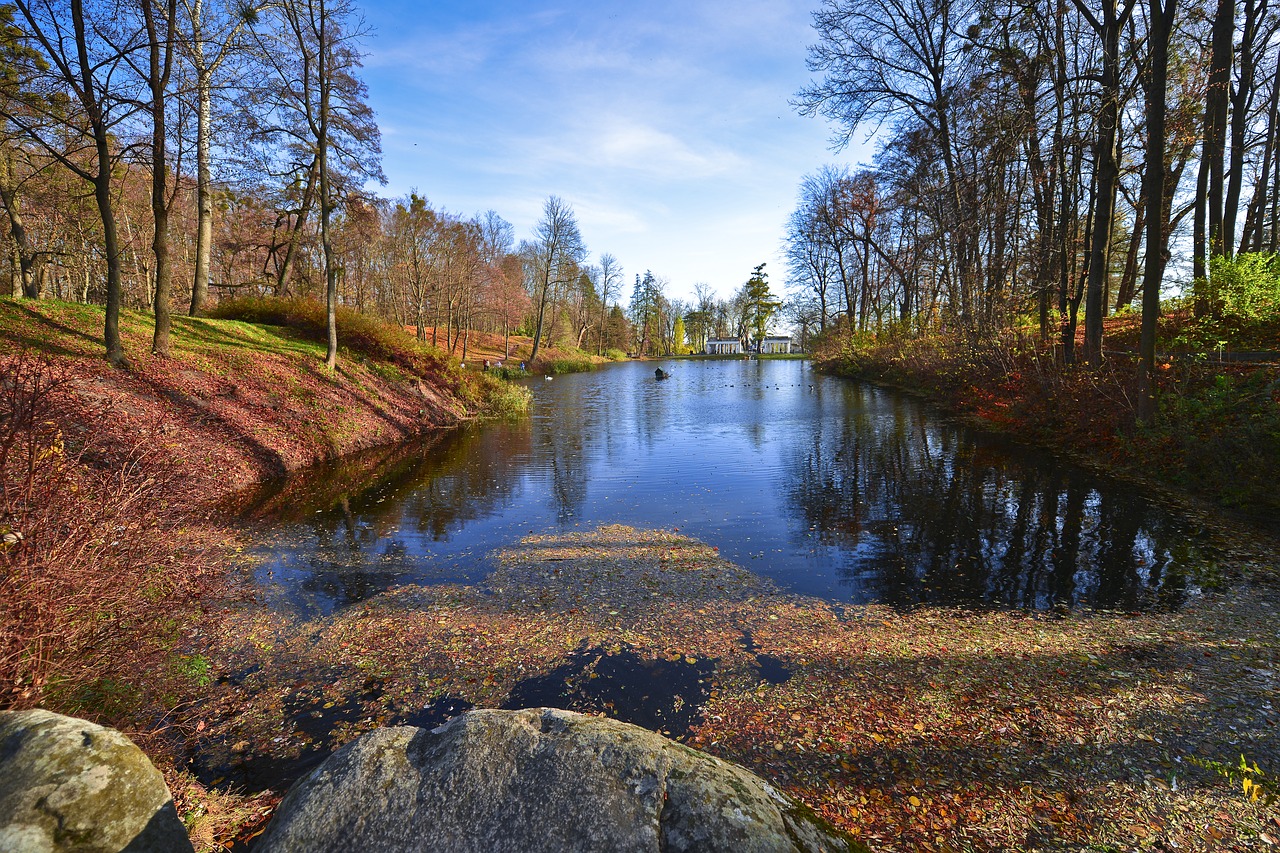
x=724, y=346
x=780, y=345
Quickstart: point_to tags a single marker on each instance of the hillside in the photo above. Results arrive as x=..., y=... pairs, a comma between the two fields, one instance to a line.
x=109, y=542
x=515, y=350
x=236, y=402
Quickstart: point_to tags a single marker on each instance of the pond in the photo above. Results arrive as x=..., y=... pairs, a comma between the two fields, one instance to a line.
x=831, y=488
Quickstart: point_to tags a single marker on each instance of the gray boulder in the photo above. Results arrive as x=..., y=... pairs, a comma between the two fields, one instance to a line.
x=69, y=785
x=537, y=780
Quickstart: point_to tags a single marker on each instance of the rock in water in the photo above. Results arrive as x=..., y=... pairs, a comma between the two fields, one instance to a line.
x=537, y=780
x=68, y=784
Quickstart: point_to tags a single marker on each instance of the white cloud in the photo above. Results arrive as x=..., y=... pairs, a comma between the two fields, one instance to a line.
x=665, y=125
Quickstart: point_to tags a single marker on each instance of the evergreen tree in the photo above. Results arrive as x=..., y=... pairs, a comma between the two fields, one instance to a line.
x=761, y=303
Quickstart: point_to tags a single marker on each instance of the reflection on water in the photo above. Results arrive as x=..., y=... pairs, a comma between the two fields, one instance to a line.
x=929, y=513
x=829, y=487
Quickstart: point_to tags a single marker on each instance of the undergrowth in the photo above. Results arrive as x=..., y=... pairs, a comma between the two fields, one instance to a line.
x=570, y=361
x=94, y=566
x=358, y=333
x=388, y=346
x=1217, y=433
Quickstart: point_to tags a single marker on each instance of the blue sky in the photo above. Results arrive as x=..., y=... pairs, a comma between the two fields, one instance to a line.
x=664, y=124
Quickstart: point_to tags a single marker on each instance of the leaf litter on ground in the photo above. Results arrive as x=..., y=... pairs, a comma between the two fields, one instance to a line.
x=934, y=729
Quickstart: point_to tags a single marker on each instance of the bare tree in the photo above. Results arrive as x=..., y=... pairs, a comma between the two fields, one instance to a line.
x=214, y=34
x=609, y=284
x=160, y=18
x=317, y=104
x=557, y=250
x=900, y=60
x=1159, y=28
x=79, y=51
x=1108, y=26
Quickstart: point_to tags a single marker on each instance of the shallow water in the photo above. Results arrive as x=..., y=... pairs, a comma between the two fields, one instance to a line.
x=831, y=488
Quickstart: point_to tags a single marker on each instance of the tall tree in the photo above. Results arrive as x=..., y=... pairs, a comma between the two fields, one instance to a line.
x=1108, y=26
x=610, y=280
x=761, y=303
x=1255, y=32
x=1207, y=237
x=214, y=34
x=316, y=107
x=15, y=56
x=557, y=250
x=1159, y=30
x=81, y=52
x=160, y=18
x=901, y=60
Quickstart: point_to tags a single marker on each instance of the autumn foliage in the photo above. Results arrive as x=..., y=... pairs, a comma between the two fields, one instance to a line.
x=91, y=573
x=1217, y=435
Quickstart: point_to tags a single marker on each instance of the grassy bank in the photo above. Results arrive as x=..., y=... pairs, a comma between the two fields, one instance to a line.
x=1217, y=436
x=110, y=549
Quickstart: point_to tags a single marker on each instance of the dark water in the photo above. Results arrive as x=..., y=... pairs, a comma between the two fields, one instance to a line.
x=830, y=487
x=661, y=695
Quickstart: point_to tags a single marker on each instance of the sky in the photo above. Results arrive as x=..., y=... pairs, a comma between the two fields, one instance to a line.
x=664, y=124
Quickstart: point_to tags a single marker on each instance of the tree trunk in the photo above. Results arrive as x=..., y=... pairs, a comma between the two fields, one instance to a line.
x=204, y=190
x=1107, y=172
x=1255, y=221
x=326, y=202
x=1209, y=190
x=542, y=310
x=1241, y=100
x=1129, y=279
x=291, y=245
x=160, y=60
x=28, y=263
x=1154, y=187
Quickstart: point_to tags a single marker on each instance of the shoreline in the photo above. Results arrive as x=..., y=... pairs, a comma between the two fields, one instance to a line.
x=1260, y=539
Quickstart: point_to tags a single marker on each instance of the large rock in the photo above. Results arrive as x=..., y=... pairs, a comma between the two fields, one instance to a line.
x=69, y=785
x=537, y=780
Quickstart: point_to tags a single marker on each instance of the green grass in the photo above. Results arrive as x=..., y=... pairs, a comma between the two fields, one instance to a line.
x=244, y=330
x=571, y=362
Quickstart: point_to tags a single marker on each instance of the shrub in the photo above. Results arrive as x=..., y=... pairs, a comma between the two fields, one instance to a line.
x=1243, y=296
x=492, y=396
x=358, y=333
x=615, y=355
x=92, y=567
x=505, y=372
x=573, y=361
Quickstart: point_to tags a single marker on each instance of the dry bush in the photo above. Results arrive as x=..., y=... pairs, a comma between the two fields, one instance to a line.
x=93, y=569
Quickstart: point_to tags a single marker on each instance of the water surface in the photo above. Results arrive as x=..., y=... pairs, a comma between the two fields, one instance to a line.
x=830, y=487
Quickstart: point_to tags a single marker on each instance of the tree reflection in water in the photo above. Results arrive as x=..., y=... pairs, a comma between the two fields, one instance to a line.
x=828, y=487
x=925, y=512
x=357, y=527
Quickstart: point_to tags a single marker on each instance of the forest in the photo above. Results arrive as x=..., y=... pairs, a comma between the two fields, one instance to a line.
x=1037, y=158
x=1070, y=228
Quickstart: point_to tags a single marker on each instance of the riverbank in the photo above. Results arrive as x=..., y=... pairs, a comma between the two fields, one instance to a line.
x=511, y=351
x=938, y=729
x=110, y=474
x=1216, y=439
